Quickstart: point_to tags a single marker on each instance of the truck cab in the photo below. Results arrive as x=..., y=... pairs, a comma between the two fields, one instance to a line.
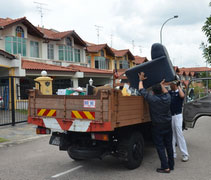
x=197, y=101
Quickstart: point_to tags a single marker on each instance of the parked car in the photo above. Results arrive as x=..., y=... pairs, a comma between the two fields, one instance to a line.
x=1, y=102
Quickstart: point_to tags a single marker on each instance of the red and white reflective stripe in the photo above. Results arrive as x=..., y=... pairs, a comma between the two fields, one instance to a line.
x=76, y=125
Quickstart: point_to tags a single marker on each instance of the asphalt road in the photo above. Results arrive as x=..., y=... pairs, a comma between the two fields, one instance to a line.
x=37, y=160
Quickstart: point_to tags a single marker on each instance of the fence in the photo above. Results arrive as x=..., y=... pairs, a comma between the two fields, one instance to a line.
x=14, y=99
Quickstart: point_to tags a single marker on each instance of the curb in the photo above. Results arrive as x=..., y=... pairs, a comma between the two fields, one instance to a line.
x=12, y=143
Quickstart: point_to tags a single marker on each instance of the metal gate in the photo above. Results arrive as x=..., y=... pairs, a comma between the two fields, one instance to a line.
x=14, y=99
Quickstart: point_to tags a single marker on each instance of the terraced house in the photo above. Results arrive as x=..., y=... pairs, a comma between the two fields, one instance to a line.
x=28, y=43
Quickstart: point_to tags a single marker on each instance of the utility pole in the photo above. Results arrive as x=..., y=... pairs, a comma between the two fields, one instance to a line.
x=176, y=16
x=98, y=28
x=40, y=10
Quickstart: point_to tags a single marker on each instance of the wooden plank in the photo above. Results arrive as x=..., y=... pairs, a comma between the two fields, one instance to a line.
x=129, y=108
x=128, y=117
x=128, y=113
x=129, y=122
x=76, y=104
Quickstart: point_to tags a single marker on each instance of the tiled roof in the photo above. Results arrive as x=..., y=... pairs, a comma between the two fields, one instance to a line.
x=195, y=69
x=52, y=34
x=32, y=65
x=95, y=48
x=89, y=44
x=123, y=52
x=6, y=54
x=90, y=70
x=140, y=60
x=56, y=35
x=99, y=47
x=6, y=21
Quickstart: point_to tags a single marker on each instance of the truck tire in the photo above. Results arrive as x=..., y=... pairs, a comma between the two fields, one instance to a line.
x=134, y=146
x=71, y=156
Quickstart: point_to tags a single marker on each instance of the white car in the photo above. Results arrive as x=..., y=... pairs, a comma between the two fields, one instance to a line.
x=1, y=102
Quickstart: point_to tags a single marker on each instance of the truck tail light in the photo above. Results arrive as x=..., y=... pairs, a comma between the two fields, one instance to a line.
x=43, y=130
x=101, y=137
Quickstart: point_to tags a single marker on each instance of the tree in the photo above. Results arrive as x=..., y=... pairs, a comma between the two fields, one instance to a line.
x=206, y=47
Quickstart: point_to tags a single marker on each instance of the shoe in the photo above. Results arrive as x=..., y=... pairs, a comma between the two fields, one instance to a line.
x=185, y=158
x=171, y=169
x=160, y=170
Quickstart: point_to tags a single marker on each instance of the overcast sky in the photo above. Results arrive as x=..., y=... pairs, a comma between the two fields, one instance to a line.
x=127, y=20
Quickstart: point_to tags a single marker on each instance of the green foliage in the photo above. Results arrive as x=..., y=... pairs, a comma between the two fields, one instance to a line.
x=206, y=47
x=3, y=140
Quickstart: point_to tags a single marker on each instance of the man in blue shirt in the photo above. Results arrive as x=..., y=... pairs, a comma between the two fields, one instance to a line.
x=177, y=97
x=159, y=106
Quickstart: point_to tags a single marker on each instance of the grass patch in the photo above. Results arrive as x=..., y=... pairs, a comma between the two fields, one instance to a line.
x=3, y=140
x=23, y=111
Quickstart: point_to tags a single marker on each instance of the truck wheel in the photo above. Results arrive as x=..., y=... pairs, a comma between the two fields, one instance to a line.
x=71, y=156
x=134, y=150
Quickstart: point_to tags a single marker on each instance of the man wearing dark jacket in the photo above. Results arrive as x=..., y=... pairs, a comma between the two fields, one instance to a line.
x=159, y=106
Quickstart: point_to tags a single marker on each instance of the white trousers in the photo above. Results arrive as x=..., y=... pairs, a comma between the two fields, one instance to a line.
x=178, y=137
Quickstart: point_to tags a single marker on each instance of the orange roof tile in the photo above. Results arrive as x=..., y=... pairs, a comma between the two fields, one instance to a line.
x=90, y=70
x=4, y=23
x=52, y=34
x=56, y=35
x=7, y=21
x=89, y=44
x=123, y=52
x=95, y=48
x=32, y=65
x=140, y=60
x=99, y=47
x=196, y=69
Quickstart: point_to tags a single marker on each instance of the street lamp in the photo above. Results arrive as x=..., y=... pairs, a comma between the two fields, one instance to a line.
x=176, y=16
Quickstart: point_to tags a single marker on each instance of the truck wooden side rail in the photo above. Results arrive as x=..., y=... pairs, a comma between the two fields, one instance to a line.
x=94, y=125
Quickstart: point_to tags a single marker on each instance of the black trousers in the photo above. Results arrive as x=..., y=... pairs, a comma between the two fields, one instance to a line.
x=162, y=137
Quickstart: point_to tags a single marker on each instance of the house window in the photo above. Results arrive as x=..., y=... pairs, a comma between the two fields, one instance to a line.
x=15, y=45
x=115, y=64
x=89, y=61
x=102, y=53
x=68, y=41
x=123, y=64
x=34, y=49
x=77, y=55
x=19, y=31
x=65, y=53
x=50, y=51
x=101, y=63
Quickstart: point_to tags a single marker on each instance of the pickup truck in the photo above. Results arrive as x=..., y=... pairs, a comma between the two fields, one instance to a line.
x=92, y=126
x=197, y=101
x=108, y=123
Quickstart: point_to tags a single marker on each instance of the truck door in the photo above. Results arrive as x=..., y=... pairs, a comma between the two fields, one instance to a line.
x=197, y=101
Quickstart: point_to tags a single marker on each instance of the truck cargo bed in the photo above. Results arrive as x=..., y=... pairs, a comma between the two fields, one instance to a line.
x=105, y=111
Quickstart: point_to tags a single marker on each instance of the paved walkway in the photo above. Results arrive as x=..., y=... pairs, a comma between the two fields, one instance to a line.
x=18, y=134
